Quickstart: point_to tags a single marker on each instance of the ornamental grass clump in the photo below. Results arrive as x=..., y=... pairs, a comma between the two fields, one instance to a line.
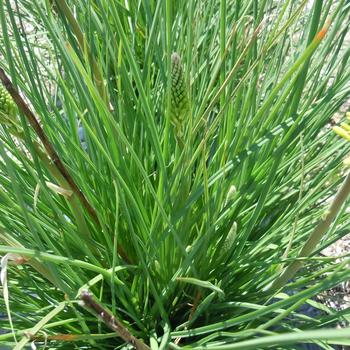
x=168, y=173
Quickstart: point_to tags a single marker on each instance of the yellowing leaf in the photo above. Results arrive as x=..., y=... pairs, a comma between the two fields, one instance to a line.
x=59, y=190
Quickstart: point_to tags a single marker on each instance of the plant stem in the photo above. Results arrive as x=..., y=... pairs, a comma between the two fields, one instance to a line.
x=223, y=12
x=23, y=107
x=83, y=46
x=316, y=235
x=112, y=322
x=56, y=259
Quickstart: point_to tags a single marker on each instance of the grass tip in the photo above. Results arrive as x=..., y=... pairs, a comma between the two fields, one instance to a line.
x=321, y=34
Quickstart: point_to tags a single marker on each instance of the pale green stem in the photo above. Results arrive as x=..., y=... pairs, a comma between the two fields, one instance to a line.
x=83, y=46
x=316, y=235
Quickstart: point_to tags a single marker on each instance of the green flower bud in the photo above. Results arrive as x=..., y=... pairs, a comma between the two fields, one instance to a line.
x=231, y=193
x=179, y=96
x=230, y=239
x=7, y=106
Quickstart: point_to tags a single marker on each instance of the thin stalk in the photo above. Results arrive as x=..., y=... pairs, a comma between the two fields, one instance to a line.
x=83, y=46
x=24, y=108
x=34, y=263
x=222, y=47
x=301, y=191
x=112, y=322
x=31, y=253
x=274, y=341
x=300, y=83
x=316, y=235
x=168, y=25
